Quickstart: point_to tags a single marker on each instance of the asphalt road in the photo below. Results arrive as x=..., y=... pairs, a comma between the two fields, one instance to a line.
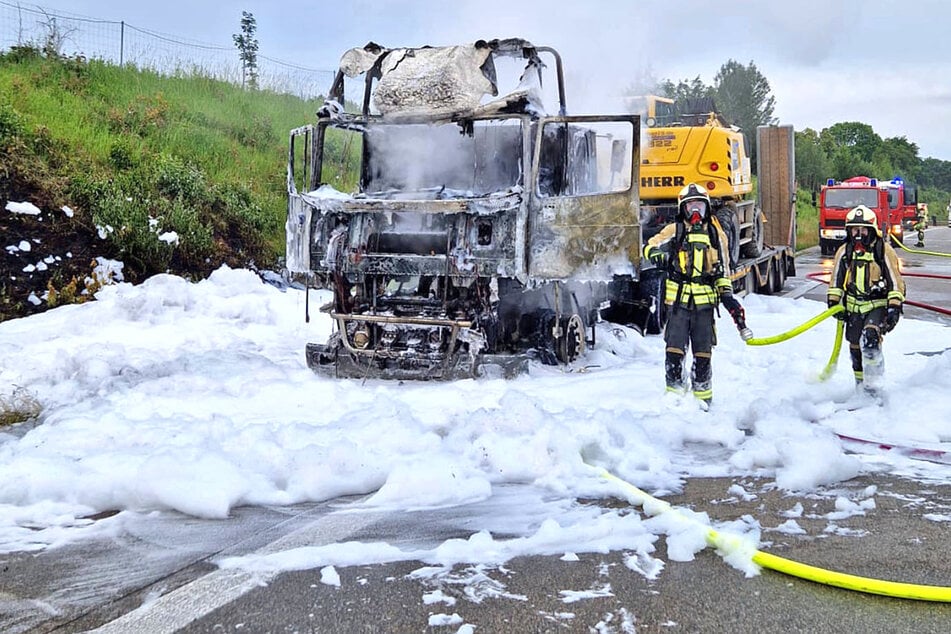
x=159, y=575
x=704, y=595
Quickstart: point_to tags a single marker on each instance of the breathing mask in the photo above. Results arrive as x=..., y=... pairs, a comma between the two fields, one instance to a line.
x=695, y=212
x=861, y=237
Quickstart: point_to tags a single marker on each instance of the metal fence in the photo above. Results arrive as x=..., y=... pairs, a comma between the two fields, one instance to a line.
x=122, y=43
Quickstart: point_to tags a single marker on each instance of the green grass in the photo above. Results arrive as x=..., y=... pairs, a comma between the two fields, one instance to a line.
x=91, y=135
x=807, y=221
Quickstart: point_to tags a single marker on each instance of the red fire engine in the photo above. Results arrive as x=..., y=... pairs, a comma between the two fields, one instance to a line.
x=903, y=196
x=836, y=199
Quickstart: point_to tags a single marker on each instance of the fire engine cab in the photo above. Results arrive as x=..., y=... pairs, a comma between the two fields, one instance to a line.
x=904, y=197
x=836, y=199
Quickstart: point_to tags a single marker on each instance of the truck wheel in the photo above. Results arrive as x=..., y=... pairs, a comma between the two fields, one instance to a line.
x=571, y=344
x=780, y=276
x=770, y=282
x=754, y=248
x=727, y=219
x=651, y=291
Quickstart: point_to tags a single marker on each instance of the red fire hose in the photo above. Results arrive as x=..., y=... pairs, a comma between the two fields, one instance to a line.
x=823, y=276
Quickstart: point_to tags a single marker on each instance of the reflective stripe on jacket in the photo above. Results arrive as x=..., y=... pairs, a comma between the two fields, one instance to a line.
x=866, y=281
x=697, y=273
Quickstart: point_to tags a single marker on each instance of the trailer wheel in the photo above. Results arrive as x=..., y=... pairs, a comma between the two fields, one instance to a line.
x=779, y=277
x=727, y=218
x=571, y=344
x=766, y=288
x=754, y=248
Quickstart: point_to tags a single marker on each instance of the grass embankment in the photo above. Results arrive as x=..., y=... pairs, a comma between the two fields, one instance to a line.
x=137, y=155
x=807, y=221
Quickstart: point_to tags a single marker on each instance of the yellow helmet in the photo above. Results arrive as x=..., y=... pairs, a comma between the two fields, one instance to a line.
x=862, y=216
x=693, y=192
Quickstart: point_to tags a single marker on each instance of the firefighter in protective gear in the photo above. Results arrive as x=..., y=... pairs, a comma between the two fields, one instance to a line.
x=921, y=224
x=866, y=279
x=693, y=252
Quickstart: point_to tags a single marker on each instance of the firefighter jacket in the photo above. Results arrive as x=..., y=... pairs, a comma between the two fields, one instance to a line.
x=698, y=267
x=868, y=279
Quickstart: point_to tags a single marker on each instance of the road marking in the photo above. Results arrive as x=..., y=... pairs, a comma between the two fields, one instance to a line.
x=802, y=289
x=175, y=610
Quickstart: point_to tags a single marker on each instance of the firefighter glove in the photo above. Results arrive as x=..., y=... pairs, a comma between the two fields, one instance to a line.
x=891, y=318
x=832, y=304
x=738, y=314
x=658, y=256
x=733, y=307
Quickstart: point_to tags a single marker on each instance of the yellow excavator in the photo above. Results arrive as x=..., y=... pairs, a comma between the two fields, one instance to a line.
x=688, y=141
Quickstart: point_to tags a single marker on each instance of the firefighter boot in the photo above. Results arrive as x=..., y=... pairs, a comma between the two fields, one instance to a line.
x=702, y=378
x=674, y=371
x=873, y=362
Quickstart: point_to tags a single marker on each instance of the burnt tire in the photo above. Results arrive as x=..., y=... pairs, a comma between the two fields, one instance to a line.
x=571, y=344
x=727, y=219
x=653, y=282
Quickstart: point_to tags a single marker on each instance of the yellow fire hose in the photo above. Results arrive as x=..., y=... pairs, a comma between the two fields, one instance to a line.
x=798, y=330
x=726, y=544
x=921, y=251
x=829, y=370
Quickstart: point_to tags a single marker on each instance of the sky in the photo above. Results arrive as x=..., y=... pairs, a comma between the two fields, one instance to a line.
x=195, y=398
x=881, y=62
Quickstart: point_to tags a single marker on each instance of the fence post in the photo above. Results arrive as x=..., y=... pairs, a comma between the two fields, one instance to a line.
x=121, y=41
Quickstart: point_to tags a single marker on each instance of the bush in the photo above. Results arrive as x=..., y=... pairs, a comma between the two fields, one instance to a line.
x=176, y=179
x=21, y=54
x=196, y=243
x=237, y=203
x=11, y=124
x=142, y=117
x=54, y=151
x=121, y=156
x=256, y=132
x=18, y=407
x=124, y=221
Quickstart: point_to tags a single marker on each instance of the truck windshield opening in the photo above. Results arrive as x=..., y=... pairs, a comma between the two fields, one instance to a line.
x=847, y=198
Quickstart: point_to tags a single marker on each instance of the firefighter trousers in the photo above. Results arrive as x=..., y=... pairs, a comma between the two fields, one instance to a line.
x=691, y=328
x=863, y=331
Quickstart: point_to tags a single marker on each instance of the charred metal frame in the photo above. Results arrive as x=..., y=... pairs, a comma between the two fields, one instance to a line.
x=506, y=287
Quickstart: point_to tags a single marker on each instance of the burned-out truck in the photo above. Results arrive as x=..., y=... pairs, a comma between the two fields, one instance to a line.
x=479, y=232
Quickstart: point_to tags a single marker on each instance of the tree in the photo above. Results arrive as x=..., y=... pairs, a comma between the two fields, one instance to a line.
x=55, y=36
x=935, y=173
x=742, y=94
x=859, y=138
x=902, y=156
x=682, y=90
x=248, y=50
x=846, y=163
x=813, y=167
